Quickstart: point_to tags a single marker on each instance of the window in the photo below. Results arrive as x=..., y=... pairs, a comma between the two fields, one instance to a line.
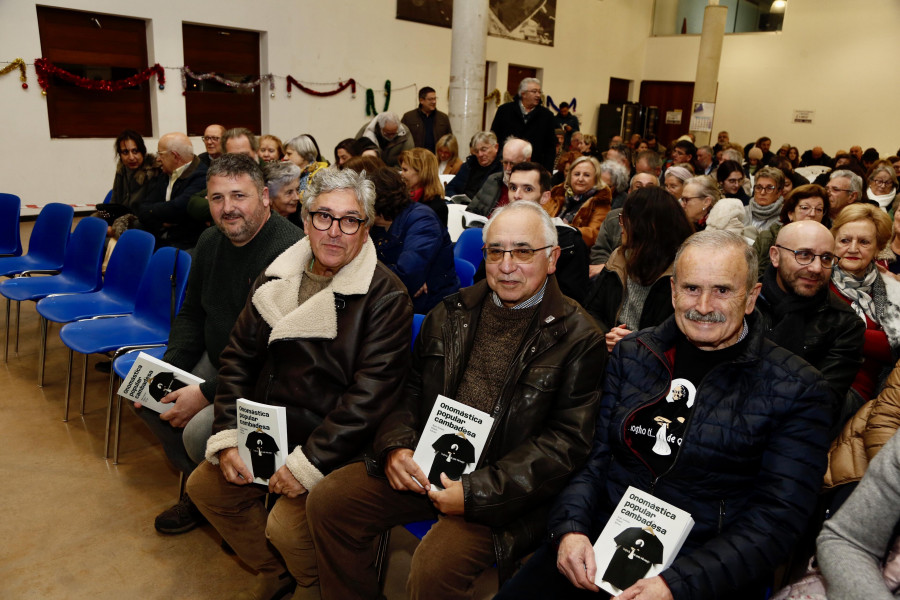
x=674, y=17
x=101, y=47
x=233, y=55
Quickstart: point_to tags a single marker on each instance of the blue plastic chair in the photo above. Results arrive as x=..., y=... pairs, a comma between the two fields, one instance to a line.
x=158, y=299
x=126, y=266
x=121, y=364
x=10, y=209
x=108, y=197
x=416, y=326
x=465, y=271
x=80, y=272
x=468, y=246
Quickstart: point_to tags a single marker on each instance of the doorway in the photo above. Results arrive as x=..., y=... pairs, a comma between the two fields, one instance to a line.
x=674, y=100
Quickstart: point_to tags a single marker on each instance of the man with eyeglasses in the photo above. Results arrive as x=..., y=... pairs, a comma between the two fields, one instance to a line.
x=212, y=139
x=800, y=312
x=494, y=192
x=325, y=334
x=512, y=346
x=525, y=118
x=844, y=188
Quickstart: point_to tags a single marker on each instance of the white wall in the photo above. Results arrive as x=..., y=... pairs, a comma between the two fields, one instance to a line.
x=314, y=42
x=832, y=57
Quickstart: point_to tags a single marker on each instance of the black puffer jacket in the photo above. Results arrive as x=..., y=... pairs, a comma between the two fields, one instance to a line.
x=544, y=417
x=748, y=471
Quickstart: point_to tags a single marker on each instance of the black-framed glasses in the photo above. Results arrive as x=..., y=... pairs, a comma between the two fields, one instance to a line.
x=519, y=255
x=806, y=257
x=764, y=188
x=881, y=182
x=210, y=138
x=323, y=221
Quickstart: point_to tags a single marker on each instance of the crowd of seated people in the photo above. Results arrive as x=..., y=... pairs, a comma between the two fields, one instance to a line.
x=601, y=284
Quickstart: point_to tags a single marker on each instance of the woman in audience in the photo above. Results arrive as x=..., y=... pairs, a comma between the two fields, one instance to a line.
x=270, y=149
x=633, y=291
x=344, y=151
x=674, y=180
x=448, y=154
x=730, y=176
x=617, y=178
x=793, y=155
x=563, y=164
x=697, y=198
x=411, y=241
x=765, y=206
x=882, y=185
x=807, y=202
x=283, y=181
x=589, y=146
x=134, y=171
x=304, y=152
x=419, y=169
x=583, y=201
x=860, y=232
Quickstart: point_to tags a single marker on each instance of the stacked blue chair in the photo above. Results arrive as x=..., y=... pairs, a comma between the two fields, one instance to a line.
x=468, y=246
x=122, y=362
x=10, y=209
x=46, y=250
x=117, y=296
x=79, y=273
x=465, y=271
x=158, y=299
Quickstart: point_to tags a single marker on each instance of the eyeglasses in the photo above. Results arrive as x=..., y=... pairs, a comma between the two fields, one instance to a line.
x=834, y=190
x=686, y=199
x=765, y=188
x=882, y=182
x=211, y=138
x=806, y=257
x=323, y=221
x=519, y=255
x=804, y=208
x=133, y=152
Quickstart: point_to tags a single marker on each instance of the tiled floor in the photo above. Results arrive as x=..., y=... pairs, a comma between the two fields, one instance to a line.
x=77, y=526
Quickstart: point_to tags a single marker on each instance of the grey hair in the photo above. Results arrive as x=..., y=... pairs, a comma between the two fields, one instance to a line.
x=856, y=182
x=708, y=187
x=527, y=148
x=713, y=241
x=883, y=168
x=304, y=146
x=182, y=146
x=653, y=160
x=234, y=165
x=732, y=154
x=550, y=237
x=708, y=149
x=483, y=136
x=523, y=85
x=617, y=171
x=279, y=174
x=387, y=117
x=773, y=173
x=332, y=179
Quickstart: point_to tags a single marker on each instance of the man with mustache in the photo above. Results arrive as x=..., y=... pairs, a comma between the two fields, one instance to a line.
x=746, y=462
x=801, y=314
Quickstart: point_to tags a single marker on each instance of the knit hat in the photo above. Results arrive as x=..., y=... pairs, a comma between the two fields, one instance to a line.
x=755, y=153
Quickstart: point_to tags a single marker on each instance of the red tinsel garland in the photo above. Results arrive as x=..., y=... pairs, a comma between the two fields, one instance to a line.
x=45, y=69
x=350, y=83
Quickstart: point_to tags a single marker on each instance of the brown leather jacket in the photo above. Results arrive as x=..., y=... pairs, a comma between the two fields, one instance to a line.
x=337, y=362
x=865, y=434
x=589, y=217
x=544, y=416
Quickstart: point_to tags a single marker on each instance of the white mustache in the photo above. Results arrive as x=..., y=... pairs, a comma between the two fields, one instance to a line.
x=713, y=317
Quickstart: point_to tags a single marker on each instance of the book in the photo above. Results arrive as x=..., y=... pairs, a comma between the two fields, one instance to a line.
x=262, y=438
x=452, y=441
x=150, y=379
x=640, y=540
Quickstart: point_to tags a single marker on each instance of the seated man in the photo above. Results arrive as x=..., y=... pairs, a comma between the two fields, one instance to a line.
x=512, y=346
x=212, y=139
x=164, y=212
x=390, y=135
x=748, y=447
x=228, y=257
x=494, y=193
x=481, y=162
x=800, y=313
x=325, y=333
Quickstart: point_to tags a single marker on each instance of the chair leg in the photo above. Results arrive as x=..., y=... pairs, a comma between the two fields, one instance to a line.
x=43, y=352
x=68, y=385
x=118, y=429
x=83, y=380
x=381, y=556
x=109, y=408
x=6, y=336
x=182, y=482
x=18, y=314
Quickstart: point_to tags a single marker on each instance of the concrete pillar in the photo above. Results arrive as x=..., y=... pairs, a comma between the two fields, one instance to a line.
x=707, y=79
x=467, y=59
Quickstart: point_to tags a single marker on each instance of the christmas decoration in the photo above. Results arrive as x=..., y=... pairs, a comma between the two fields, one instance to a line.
x=245, y=85
x=16, y=64
x=45, y=70
x=552, y=104
x=350, y=83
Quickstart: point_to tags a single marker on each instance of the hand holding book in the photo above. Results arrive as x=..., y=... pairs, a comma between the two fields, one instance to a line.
x=653, y=588
x=450, y=500
x=403, y=473
x=575, y=560
x=233, y=467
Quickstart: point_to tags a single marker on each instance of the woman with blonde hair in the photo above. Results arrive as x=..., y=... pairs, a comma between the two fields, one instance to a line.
x=447, y=150
x=270, y=148
x=584, y=200
x=419, y=169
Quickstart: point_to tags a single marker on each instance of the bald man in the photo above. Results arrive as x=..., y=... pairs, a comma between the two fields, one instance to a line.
x=164, y=212
x=802, y=314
